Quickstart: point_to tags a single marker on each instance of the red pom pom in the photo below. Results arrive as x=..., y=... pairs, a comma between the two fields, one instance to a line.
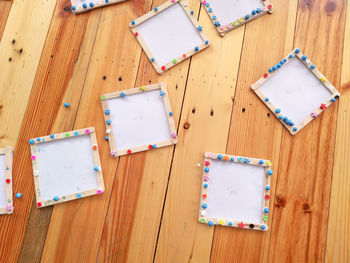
x=8, y=181
x=266, y=75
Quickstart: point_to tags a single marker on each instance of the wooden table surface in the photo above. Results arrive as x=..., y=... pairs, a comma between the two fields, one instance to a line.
x=149, y=211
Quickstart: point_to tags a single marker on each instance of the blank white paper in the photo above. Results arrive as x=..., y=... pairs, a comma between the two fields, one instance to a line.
x=3, y=200
x=66, y=166
x=139, y=119
x=169, y=34
x=228, y=11
x=295, y=90
x=235, y=191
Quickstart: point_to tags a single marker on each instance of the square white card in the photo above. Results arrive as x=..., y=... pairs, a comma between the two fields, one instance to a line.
x=6, y=199
x=227, y=15
x=138, y=119
x=169, y=34
x=66, y=166
x=235, y=191
x=295, y=91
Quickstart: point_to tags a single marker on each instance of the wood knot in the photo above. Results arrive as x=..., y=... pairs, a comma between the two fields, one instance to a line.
x=306, y=208
x=186, y=125
x=330, y=7
x=280, y=201
x=66, y=9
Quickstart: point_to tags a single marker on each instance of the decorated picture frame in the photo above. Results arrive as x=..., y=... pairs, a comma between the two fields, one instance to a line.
x=156, y=115
x=6, y=159
x=167, y=34
x=319, y=92
x=80, y=6
x=235, y=191
x=230, y=24
x=66, y=166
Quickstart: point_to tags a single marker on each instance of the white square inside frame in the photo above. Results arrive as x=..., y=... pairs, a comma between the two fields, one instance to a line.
x=138, y=119
x=226, y=15
x=235, y=191
x=296, y=91
x=80, y=6
x=6, y=199
x=169, y=34
x=66, y=166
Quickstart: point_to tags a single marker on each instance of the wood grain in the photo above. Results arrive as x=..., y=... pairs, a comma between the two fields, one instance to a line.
x=21, y=60
x=259, y=132
x=5, y=7
x=76, y=222
x=150, y=207
x=305, y=168
x=206, y=111
x=338, y=237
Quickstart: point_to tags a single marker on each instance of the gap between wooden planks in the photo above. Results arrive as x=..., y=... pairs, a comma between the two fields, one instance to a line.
x=306, y=161
x=338, y=237
x=258, y=131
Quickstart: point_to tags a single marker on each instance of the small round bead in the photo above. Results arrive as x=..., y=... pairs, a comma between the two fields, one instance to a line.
x=18, y=195
x=206, y=169
x=133, y=22
x=304, y=57
x=66, y=105
x=266, y=210
x=261, y=162
x=278, y=110
x=232, y=159
x=31, y=141
x=74, y=8
x=274, y=68
x=269, y=172
x=96, y=168
x=85, y=5
x=107, y=112
x=290, y=56
x=247, y=17
x=204, y=206
x=52, y=136
x=205, y=185
x=152, y=59
x=122, y=94
x=253, y=12
x=210, y=223
x=220, y=156
x=270, y=70
x=78, y=196
x=267, y=187
x=312, y=66
x=230, y=223
x=91, y=4
x=207, y=42
x=108, y=122
x=196, y=48
x=263, y=227
x=297, y=50
x=55, y=198
x=156, y=8
x=170, y=113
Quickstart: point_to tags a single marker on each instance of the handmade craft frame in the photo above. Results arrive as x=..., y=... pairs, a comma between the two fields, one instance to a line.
x=162, y=87
x=92, y=5
x=295, y=128
x=61, y=136
x=7, y=151
x=223, y=29
x=162, y=68
x=208, y=156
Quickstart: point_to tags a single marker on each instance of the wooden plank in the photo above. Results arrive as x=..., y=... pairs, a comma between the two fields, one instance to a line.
x=45, y=113
x=259, y=132
x=306, y=160
x=131, y=231
x=5, y=7
x=338, y=237
x=204, y=125
x=83, y=220
x=20, y=61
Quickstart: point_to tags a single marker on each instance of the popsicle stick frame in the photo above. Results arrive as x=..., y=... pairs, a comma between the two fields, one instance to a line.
x=80, y=6
x=236, y=21
x=166, y=119
x=66, y=166
x=6, y=174
x=311, y=104
x=227, y=193
x=180, y=38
